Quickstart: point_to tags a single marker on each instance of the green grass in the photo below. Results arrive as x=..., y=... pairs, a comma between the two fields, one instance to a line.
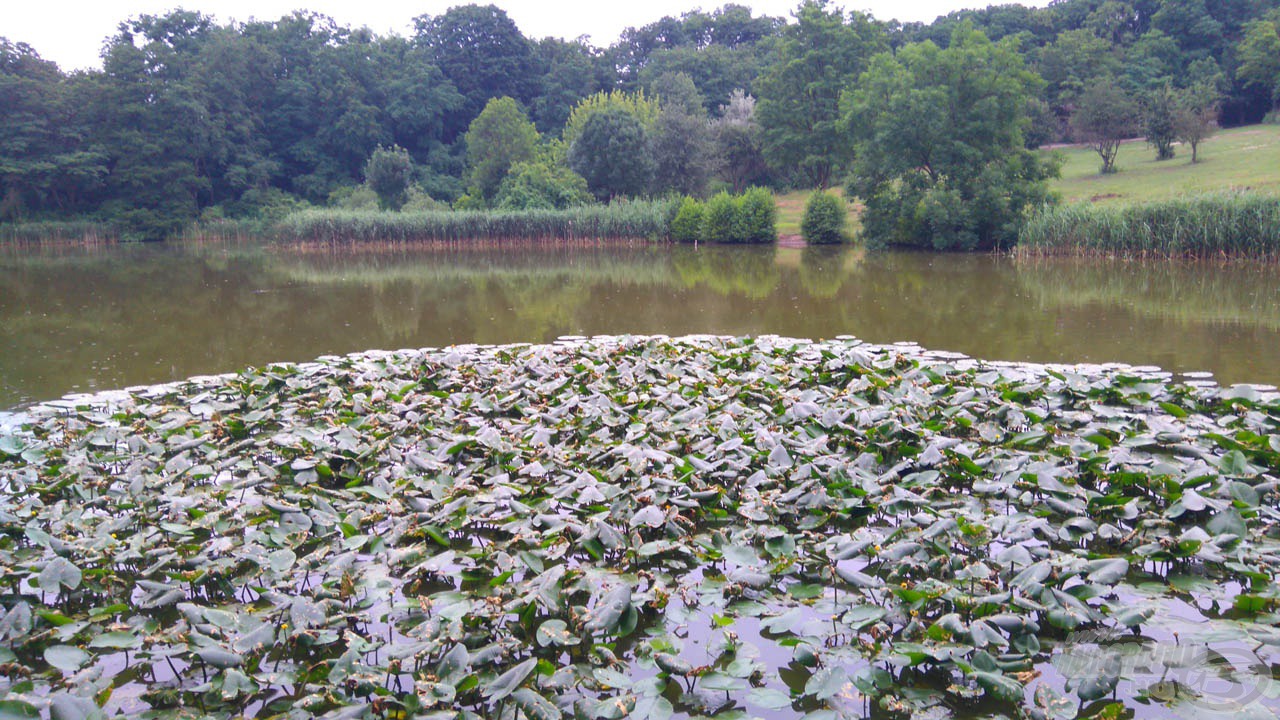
x=1245, y=158
x=1224, y=224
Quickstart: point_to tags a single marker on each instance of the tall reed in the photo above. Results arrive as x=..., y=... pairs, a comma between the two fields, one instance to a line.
x=1235, y=224
x=623, y=220
x=81, y=232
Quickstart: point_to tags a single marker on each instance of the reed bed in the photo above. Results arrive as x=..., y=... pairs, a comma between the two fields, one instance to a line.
x=1237, y=224
x=80, y=232
x=619, y=221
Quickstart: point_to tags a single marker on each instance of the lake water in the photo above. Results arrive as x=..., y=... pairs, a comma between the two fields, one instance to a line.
x=76, y=320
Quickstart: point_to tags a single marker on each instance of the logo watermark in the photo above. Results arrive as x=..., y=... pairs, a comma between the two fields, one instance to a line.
x=1191, y=679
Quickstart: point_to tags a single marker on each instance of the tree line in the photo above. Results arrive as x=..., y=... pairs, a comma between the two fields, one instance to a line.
x=930, y=124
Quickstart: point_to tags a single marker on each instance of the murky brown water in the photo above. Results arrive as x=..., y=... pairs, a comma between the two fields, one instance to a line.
x=77, y=320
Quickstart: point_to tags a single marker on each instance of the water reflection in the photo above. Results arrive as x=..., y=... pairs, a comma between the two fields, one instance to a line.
x=75, y=319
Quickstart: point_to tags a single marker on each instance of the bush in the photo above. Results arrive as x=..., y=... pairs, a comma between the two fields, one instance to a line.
x=758, y=216
x=824, y=219
x=387, y=173
x=720, y=220
x=541, y=186
x=687, y=224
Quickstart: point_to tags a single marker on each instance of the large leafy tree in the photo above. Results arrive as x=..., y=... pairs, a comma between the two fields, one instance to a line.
x=154, y=125
x=482, y=52
x=644, y=109
x=45, y=163
x=799, y=94
x=737, y=138
x=1069, y=62
x=1259, y=56
x=498, y=138
x=570, y=71
x=939, y=153
x=613, y=154
x=1190, y=23
x=683, y=147
x=1105, y=116
x=321, y=117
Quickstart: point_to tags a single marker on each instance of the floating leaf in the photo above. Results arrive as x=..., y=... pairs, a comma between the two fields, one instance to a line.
x=507, y=682
x=66, y=658
x=59, y=573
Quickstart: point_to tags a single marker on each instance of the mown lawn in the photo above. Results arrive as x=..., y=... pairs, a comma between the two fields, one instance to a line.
x=1239, y=158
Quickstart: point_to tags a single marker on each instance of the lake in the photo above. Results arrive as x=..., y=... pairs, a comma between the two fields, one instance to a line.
x=84, y=319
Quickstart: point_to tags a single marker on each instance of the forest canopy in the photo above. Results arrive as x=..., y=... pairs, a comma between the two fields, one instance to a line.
x=189, y=119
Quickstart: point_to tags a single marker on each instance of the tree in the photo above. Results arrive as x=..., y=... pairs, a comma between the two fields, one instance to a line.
x=613, y=154
x=1105, y=116
x=1158, y=119
x=799, y=108
x=1152, y=61
x=387, y=174
x=683, y=147
x=571, y=71
x=482, y=52
x=1190, y=23
x=1070, y=62
x=1196, y=116
x=541, y=185
x=1259, y=56
x=738, y=144
x=153, y=125
x=644, y=109
x=676, y=91
x=940, y=159
x=45, y=162
x=715, y=69
x=498, y=138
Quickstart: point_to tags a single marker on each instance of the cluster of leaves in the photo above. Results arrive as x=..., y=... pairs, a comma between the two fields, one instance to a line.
x=627, y=526
x=747, y=218
x=825, y=219
x=957, y=175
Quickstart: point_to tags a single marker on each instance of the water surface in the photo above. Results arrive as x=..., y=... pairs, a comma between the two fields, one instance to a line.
x=75, y=320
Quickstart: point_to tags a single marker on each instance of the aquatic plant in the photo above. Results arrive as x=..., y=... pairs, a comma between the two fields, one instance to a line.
x=1240, y=224
x=639, y=527
x=87, y=232
x=635, y=220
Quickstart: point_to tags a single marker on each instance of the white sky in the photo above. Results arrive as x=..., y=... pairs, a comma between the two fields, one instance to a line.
x=71, y=32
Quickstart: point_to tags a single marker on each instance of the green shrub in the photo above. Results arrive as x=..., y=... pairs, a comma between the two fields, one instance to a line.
x=720, y=222
x=824, y=219
x=758, y=217
x=541, y=186
x=687, y=224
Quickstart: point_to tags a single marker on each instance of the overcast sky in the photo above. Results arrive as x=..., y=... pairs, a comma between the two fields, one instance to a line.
x=71, y=32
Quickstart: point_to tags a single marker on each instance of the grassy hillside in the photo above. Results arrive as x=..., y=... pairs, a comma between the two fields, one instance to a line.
x=1240, y=158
